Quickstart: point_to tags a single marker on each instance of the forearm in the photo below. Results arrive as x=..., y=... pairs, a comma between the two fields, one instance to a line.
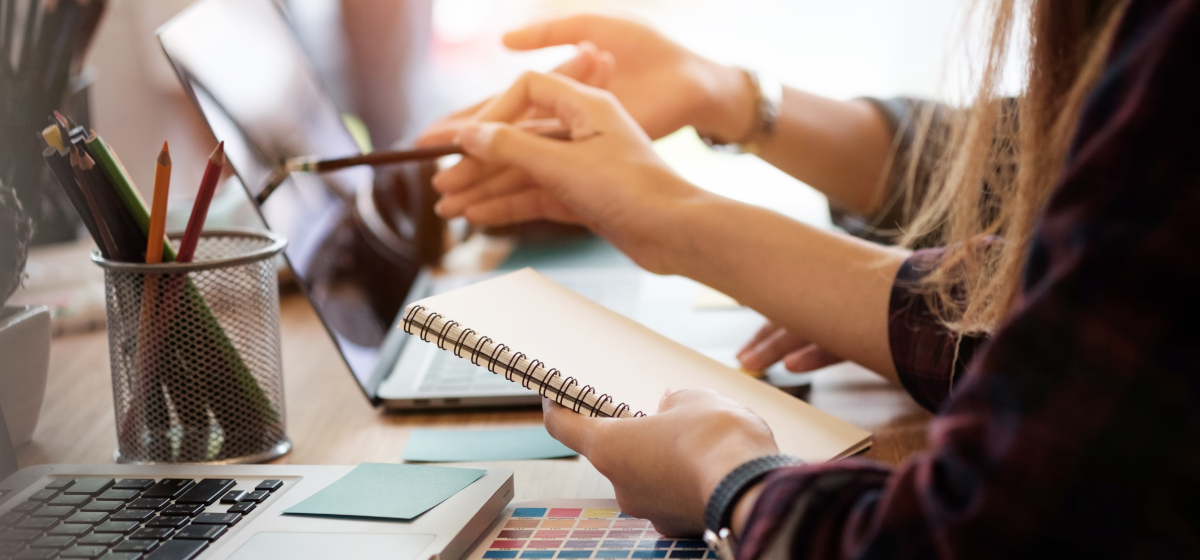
x=841, y=148
x=829, y=288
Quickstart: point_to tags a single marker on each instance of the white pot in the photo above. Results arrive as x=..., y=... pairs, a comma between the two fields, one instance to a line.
x=24, y=363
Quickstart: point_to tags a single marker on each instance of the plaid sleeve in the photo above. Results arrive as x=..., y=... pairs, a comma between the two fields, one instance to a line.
x=1075, y=431
x=926, y=354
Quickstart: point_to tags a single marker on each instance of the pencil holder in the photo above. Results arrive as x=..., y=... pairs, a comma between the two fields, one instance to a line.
x=195, y=356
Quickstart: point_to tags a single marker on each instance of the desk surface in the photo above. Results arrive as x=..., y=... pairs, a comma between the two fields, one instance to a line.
x=331, y=422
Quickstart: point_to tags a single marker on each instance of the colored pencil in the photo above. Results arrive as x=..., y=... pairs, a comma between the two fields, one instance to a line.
x=60, y=165
x=130, y=196
x=85, y=186
x=208, y=186
x=158, y=214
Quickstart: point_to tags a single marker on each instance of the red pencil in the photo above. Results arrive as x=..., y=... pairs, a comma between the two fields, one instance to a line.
x=208, y=185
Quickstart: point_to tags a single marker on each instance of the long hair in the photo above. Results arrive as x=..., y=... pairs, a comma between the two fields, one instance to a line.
x=996, y=162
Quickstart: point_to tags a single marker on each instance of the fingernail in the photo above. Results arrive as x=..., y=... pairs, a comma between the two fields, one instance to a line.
x=476, y=137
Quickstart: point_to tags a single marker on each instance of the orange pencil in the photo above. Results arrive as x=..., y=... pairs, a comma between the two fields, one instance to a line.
x=158, y=209
x=208, y=186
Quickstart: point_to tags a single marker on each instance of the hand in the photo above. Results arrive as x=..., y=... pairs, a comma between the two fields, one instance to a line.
x=608, y=179
x=664, y=467
x=773, y=343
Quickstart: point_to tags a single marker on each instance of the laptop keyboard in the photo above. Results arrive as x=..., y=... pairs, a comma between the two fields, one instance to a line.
x=128, y=519
x=448, y=373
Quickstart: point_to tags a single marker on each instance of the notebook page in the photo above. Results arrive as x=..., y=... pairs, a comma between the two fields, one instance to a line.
x=635, y=365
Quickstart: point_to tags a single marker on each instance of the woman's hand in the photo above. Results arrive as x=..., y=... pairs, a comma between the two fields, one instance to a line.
x=608, y=178
x=664, y=467
x=773, y=343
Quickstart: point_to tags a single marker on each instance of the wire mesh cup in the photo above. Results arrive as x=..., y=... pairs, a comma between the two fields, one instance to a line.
x=194, y=347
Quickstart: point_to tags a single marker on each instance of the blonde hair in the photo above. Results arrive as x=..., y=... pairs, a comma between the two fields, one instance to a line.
x=995, y=164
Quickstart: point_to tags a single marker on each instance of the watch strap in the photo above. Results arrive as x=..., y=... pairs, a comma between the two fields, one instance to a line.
x=720, y=505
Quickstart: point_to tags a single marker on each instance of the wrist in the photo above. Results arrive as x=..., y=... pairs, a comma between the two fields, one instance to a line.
x=729, y=111
x=737, y=492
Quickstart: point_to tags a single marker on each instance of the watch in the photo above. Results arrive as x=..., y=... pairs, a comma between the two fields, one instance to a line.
x=768, y=101
x=720, y=505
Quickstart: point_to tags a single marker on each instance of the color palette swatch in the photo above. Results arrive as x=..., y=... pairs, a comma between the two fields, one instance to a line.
x=580, y=529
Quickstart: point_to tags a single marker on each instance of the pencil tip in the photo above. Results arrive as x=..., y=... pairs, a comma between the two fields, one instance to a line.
x=218, y=155
x=164, y=156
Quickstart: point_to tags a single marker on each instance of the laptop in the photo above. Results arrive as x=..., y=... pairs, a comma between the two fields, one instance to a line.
x=179, y=512
x=357, y=250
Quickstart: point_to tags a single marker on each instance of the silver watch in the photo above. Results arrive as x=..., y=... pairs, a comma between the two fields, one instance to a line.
x=768, y=101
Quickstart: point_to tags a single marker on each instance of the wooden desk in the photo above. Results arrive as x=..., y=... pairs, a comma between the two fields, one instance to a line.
x=331, y=422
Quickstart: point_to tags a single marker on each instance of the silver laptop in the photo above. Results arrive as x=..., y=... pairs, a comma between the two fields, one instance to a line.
x=356, y=250
x=157, y=512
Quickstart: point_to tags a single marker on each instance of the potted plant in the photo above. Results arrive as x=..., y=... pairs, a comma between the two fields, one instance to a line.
x=24, y=330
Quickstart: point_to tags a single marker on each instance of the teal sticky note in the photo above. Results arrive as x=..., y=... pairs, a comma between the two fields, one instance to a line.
x=447, y=446
x=387, y=491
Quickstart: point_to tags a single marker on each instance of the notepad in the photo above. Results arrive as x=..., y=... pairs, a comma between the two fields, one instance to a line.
x=538, y=333
x=445, y=446
x=387, y=491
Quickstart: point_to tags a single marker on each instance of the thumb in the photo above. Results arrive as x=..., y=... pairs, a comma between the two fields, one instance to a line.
x=571, y=429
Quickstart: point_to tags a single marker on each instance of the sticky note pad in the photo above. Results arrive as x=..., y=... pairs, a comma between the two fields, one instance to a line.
x=387, y=491
x=446, y=446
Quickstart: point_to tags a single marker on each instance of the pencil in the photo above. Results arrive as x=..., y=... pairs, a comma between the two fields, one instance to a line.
x=208, y=186
x=60, y=164
x=158, y=213
x=85, y=186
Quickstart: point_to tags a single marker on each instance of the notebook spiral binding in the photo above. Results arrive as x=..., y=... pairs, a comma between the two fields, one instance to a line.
x=499, y=359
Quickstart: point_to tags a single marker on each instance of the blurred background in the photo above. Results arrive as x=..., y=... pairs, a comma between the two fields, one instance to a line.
x=400, y=64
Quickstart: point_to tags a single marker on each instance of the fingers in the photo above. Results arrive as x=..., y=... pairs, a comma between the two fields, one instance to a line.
x=523, y=206
x=676, y=398
x=564, y=98
x=508, y=181
x=770, y=350
x=572, y=430
x=766, y=330
x=563, y=31
x=446, y=130
x=810, y=358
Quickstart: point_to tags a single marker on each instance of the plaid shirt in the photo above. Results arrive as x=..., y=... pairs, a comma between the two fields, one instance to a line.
x=1075, y=430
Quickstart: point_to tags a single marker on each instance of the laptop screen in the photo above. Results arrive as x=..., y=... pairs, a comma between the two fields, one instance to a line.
x=247, y=73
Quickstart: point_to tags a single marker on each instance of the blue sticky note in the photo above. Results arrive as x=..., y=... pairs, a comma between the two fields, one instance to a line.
x=447, y=446
x=387, y=491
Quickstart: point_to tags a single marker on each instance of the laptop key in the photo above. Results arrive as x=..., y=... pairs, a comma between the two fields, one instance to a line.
x=242, y=507
x=36, y=554
x=171, y=521
x=70, y=500
x=122, y=527
x=122, y=556
x=107, y=506
x=119, y=495
x=89, y=517
x=269, y=485
x=169, y=488
x=207, y=491
x=183, y=509
x=89, y=486
x=132, y=515
x=39, y=523
x=57, y=512
x=152, y=533
x=133, y=545
x=233, y=496
x=60, y=483
x=11, y=518
x=83, y=551
x=148, y=503
x=19, y=535
x=178, y=550
x=202, y=532
x=58, y=542
x=258, y=496
x=101, y=539
x=26, y=507
x=217, y=519
x=43, y=495
x=134, y=483
x=72, y=529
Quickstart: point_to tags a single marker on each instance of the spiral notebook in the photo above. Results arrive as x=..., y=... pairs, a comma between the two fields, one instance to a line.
x=538, y=333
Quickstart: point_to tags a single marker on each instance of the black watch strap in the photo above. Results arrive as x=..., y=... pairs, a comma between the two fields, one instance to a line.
x=720, y=505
